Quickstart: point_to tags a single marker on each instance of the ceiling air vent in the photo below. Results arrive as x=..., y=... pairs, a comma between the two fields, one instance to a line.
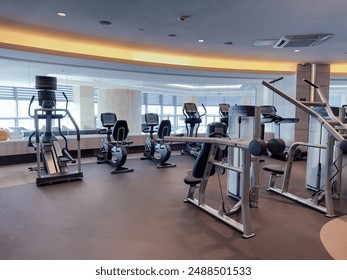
x=298, y=41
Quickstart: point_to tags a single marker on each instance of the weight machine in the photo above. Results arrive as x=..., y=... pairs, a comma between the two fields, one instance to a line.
x=331, y=150
x=244, y=123
x=52, y=160
x=206, y=161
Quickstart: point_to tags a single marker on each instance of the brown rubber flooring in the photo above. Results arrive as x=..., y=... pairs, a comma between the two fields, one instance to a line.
x=141, y=215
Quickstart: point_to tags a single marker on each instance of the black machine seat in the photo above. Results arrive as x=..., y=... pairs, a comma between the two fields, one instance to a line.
x=190, y=179
x=273, y=168
x=276, y=171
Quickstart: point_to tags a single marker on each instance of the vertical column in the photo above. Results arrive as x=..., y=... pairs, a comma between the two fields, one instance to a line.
x=83, y=106
x=264, y=96
x=315, y=73
x=125, y=103
x=284, y=109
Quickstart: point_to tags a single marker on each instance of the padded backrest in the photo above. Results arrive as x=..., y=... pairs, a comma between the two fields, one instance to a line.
x=201, y=161
x=120, y=130
x=108, y=119
x=164, y=129
x=215, y=129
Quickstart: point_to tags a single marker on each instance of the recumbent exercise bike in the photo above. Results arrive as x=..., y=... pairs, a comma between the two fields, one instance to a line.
x=156, y=145
x=118, y=129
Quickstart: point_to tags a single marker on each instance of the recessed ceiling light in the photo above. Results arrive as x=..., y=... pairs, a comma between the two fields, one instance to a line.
x=105, y=22
x=227, y=43
x=184, y=18
x=172, y=35
x=61, y=14
x=296, y=50
x=201, y=40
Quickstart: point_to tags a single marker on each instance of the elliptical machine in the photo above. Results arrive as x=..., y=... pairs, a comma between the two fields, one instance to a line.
x=153, y=145
x=224, y=113
x=192, y=120
x=119, y=131
x=51, y=158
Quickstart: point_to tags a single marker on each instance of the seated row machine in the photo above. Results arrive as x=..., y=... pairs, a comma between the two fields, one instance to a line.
x=115, y=148
x=211, y=160
x=156, y=145
x=325, y=173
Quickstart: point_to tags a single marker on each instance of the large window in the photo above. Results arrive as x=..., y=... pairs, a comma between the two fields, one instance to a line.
x=166, y=106
x=170, y=107
x=15, y=106
x=163, y=94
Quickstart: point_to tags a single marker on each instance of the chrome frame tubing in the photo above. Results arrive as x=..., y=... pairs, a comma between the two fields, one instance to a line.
x=245, y=170
x=333, y=135
x=37, y=137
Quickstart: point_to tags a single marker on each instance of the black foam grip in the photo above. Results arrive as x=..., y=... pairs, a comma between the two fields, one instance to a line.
x=257, y=147
x=343, y=146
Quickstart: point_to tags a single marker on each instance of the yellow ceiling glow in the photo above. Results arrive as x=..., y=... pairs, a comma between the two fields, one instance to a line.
x=338, y=69
x=37, y=40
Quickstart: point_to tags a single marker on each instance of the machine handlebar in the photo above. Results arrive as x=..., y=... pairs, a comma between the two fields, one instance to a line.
x=203, y=106
x=66, y=103
x=31, y=102
x=310, y=83
x=276, y=80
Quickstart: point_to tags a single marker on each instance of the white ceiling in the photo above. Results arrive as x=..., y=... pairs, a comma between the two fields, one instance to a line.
x=149, y=22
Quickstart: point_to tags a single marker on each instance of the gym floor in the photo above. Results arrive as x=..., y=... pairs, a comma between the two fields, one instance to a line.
x=141, y=215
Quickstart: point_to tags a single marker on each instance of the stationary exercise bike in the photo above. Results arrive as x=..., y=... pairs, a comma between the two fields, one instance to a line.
x=52, y=160
x=115, y=148
x=192, y=120
x=157, y=145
